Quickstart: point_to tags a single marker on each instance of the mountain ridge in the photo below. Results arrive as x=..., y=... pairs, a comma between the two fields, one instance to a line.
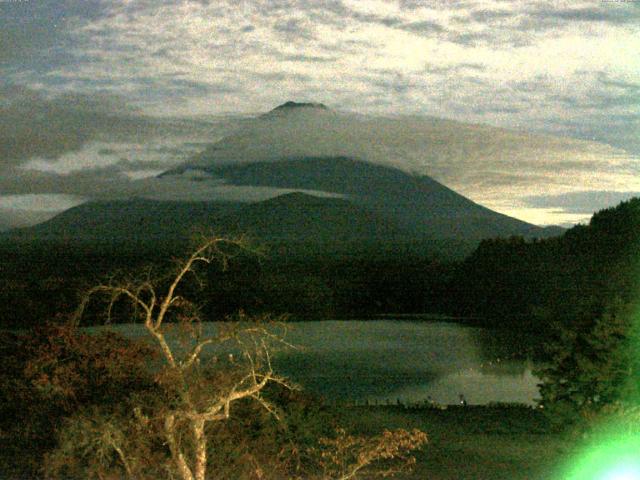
x=419, y=203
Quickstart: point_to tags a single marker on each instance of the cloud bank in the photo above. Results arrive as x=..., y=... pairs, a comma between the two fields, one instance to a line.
x=78, y=76
x=501, y=169
x=545, y=65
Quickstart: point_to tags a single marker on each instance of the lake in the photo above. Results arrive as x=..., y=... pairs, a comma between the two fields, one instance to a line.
x=389, y=360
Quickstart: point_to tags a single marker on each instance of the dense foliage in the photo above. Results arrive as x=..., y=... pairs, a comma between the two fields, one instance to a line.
x=76, y=405
x=50, y=372
x=580, y=294
x=307, y=280
x=591, y=364
x=522, y=282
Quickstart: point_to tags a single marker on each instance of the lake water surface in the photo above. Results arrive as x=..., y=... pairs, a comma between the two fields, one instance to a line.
x=391, y=360
x=408, y=361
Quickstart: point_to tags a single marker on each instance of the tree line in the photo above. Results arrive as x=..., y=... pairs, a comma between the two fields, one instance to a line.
x=302, y=281
x=580, y=294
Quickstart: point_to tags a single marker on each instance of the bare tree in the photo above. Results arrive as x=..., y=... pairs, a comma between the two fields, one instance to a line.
x=349, y=457
x=195, y=398
x=167, y=430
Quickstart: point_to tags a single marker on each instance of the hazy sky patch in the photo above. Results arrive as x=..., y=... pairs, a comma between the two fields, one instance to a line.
x=581, y=202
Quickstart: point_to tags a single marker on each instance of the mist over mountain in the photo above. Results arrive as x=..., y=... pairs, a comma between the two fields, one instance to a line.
x=360, y=179
x=474, y=160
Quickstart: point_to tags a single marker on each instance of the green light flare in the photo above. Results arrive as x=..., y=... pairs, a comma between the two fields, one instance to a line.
x=614, y=452
x=613, y=457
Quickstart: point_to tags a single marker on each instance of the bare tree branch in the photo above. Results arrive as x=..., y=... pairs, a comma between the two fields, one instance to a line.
x=176, y=453
x=191, y=408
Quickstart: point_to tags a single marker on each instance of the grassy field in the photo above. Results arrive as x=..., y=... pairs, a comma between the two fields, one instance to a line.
x=474, y=443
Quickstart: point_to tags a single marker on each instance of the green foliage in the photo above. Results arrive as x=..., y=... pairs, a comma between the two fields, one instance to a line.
x=508, y=282
x=309, y=280
x=592, y=359
x=49, y=372
x=590, y=363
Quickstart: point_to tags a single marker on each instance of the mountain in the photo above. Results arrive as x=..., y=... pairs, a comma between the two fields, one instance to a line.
x=289, y=106
x=321, y=175
x=298, y=216
x=295, y=216
x=371, y=202
x=10, y=219
x=417, y=204
x=135, y=219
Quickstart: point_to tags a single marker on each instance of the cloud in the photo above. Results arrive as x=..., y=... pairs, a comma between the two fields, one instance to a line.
x=294, y=29
x=486, y=164
x=32, y=125
x=101, y=183
x=31, y=197
x=486, y=16
x=46, y=203
x=602, y=107
x=560, y=67
x=45, y=128
x=392, y=81
x=309, y=58
x=257, y=54
x=36, y=34
x=17, y=218
x=581, y=202
x=423, y=27
x=604, y=12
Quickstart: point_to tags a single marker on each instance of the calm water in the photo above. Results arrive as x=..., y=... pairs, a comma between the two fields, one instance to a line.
x=390, y=360
x=410, y=361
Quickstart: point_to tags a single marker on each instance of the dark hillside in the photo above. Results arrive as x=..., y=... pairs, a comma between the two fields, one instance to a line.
x=512, y=280
x=297, y=216
x=136, y=220
x=418, y=204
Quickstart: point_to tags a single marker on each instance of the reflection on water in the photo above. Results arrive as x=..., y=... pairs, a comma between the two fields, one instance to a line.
x=476, y=386
x=407, y=361
x=390, y=360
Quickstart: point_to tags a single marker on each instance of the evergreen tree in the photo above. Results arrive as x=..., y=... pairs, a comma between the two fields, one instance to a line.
x=590, y=362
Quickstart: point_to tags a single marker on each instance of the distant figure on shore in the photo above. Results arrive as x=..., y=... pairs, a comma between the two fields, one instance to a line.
x=463, y=401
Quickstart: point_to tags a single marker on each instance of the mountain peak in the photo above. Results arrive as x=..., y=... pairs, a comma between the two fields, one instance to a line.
x=290, y=105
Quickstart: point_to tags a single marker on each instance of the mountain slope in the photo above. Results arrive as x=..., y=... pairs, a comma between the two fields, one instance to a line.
x=417, y=204
x=135, y=219
x=297, y=216
x=294, y=216
x=308, y=147
x=481, y=162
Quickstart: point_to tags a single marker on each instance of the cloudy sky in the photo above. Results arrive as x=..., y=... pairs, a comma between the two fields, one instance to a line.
x=96, y=95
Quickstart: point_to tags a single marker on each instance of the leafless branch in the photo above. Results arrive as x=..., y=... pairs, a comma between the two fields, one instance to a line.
x=192, y=410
